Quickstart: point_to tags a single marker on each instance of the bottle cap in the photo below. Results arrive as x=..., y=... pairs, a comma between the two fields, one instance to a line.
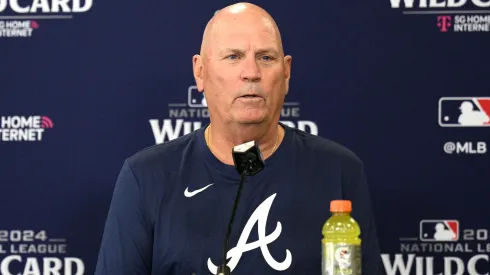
x=340, y=206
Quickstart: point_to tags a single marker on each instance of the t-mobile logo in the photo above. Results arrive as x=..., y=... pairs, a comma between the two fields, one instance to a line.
x=444, y=22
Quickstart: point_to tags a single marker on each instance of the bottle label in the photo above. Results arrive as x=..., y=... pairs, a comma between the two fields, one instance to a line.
x=341, y=259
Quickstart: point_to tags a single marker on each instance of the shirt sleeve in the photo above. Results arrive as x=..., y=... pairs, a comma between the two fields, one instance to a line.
x=126, y=246
x=356, y=190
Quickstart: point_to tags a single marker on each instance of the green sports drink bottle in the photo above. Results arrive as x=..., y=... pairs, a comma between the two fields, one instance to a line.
x=341, y=245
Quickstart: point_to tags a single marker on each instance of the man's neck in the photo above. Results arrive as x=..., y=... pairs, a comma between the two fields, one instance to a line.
x=221, y=140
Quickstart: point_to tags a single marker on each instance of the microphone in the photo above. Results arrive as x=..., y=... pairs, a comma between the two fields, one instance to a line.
x=248, y=161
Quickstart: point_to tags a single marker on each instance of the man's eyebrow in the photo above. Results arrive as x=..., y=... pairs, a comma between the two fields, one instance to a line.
x=231, y=50
x=239, y=51
x=267, y=50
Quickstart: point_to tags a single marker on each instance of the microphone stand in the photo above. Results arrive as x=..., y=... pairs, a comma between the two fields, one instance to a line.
x=248, y=162
x=223, y=269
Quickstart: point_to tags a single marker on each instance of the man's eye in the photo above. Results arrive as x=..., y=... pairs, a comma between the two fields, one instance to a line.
x=233, y=56
x=267, y=58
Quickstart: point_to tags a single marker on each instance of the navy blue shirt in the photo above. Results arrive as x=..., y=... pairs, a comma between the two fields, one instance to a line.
x=172, y=203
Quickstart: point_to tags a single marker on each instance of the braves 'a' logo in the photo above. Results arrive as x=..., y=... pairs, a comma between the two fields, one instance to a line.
x=259, y=215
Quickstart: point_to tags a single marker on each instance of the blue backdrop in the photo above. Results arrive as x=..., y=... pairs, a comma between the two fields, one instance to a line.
x=85, y=84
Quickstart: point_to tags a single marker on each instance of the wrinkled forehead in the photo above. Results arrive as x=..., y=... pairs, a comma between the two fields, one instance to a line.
x=244, y=34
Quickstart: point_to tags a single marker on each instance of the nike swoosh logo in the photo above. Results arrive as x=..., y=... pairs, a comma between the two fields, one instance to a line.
x=195, y=192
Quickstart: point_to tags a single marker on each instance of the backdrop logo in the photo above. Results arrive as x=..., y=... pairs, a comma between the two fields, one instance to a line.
x=184, y=118
x=450, y=15
x=439, y=230
x=472, y=23
x=468, y=148
x=24, y=128
x=441, y=248
x=17, y=28
x=195, y=98
x=444, y=22
x=20, y=18
x=464, y=112
x=32, y=252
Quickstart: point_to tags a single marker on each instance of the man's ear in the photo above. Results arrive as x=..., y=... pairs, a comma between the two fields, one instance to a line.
x=198, y=71
x=287, y=71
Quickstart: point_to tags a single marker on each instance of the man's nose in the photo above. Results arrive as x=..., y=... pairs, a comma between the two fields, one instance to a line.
x=251, y=70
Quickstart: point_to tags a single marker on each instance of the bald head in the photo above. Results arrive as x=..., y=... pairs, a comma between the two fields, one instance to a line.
x=242, y=68
x=232, y=18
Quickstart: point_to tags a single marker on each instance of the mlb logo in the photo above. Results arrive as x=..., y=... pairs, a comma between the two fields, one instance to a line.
x=195, y=98
x=439, y=230
x=464, y=112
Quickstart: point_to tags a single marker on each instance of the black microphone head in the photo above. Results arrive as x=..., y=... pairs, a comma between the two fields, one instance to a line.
x=251, y=156
x=248, y=158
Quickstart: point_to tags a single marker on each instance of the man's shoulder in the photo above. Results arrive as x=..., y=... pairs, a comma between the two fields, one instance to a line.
x=324, y=148
x=164, y=155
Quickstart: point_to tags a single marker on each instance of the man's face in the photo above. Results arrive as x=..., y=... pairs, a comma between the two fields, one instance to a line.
x=245, y=76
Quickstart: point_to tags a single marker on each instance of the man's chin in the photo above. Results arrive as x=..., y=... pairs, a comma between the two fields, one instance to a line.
x=250, y=116
x=250, y=119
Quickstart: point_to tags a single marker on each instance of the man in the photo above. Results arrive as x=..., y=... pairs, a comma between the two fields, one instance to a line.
x=172, y=202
